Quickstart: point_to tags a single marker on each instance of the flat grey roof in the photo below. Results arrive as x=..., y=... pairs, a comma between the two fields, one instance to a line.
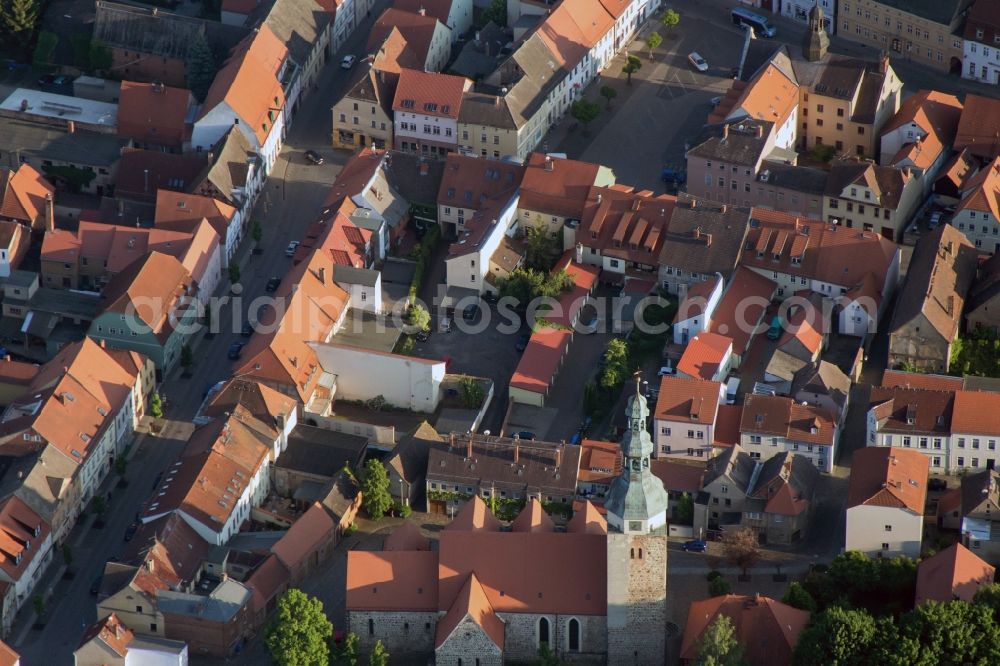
x=56, y=144
x=364, y=330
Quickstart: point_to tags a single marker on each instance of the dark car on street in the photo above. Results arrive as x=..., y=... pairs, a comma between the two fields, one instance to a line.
x=695, y=546
x=937, y=484
x=314, y=157
x=522, y=342
x=470, y=312
x=95, y=585
x=235, y=350
x=272, y=285
x=130, y=531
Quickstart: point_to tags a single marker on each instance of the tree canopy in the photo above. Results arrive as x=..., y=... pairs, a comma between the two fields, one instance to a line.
x=881, y=585
x=300, y=634
x=719, y=646
x=541, y=248
x=18, y=19
x=616, y=364
x=741, y=548
x=375, y=497
x=200, y=68
x=526, y=284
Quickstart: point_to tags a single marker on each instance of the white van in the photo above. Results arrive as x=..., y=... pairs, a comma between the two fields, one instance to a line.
x=732, y=387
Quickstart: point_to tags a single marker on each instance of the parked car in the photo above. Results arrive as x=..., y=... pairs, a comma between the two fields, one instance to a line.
x=585, y=425
x=273, y=284
x=62, y=80
x=314, y=157
x=522, y=342
x=525, y=434
x=673, y=176
x=45, y=79
x=937, y=484
x=247, y=329
x=774, y=332
x=444, y=324
x=290, y=250
x=697, y=61
x=935, y=220
x=716, y=101
x=423, y=336
x=695, y=546
x=235, y=350
x=95, y=585
x=130, y=531
x=470, y=312
x=348, y=61
x=666, y=370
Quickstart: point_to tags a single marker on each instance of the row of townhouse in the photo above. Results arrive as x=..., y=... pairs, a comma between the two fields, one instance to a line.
x=953, y=428
x=62, y=434
x=508, y=112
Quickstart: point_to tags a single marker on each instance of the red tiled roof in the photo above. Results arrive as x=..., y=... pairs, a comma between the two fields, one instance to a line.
x=304, y=536
x=782, y=416
x=983, y=191
x=395, y=580
x=704, y=354
x=407, y=537
x=533, y=518
x=626, y=224
x=555, y=186
x=7, y=655
x=687, y=400
x=954, y=573
x=267, y=581
x=142, y=173
x=678, y=475
x=472, y=602
x=153, y=112
x=475, y=516
x=22, y=194
x=742, y=307
x=18, y=524
x=976, y=412
x=696, y=299
x=429, y=93
x=979, y=127
x=727, y=425
x=600, y=462
x=110, y=631
x=885, y=476
x=587, y=519
x=417, y=32
x=767, y=629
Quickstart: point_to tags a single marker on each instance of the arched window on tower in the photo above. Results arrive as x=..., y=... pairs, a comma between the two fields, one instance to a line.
x=543, y=631
x=573, y=635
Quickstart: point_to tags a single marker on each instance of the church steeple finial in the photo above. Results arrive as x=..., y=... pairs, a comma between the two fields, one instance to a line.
x=817, y=42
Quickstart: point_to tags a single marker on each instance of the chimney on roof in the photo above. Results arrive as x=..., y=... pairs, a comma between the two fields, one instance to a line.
x=322, y=275
x=694, y=202
x=451, y=440
x=760, y=131
x=548, y=163
x=697, y=233
x=517, y=451
x=145, y=181
x=725, y=131
x=600, y=197
x=579, y=253
x=149, y=565
x=422, y=11
x=558, y=456
x=883, y=62
x=468, y=449
x=104, y=344
x=50, y=213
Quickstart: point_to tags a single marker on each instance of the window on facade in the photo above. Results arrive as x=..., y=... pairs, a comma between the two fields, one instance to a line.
x=543, y=631
x=573, y=635
x=371, y=627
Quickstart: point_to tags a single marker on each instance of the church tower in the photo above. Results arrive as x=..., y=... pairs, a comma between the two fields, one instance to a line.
x=817, y=42
x=637, y=549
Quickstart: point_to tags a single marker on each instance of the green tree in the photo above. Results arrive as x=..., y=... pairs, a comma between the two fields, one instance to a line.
x=81, y=50
x=719, y=586
x=741, y=548
x=234, y=272
x=670, y=19
x=299, y=635
x=546, y=657
x=608, y=93
x=685, y=509
x=256, y=231
x=471, y=393
x=526, y=284
x=956, y=632
x=653, y=41
x=585, y=111
x=200, y=68
x=98, y=505
x=418, y=317
x=719, y=646
x=347, y=654
x=799, y=597
x=632, y=65
x=615, y=364
x=375, y=490
x=38, y=602
x=45, y=49
x=379, y=656
x=881, y=585
x=989, y=595
x=18, y=19
x=156, y=406
x=837, y=637
x=496, y=12
x=101, y=57
x=541, y=248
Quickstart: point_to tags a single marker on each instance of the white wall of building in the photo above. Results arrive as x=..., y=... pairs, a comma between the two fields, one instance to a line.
x=692, y=440
x=764, y=446
x=690, y=327
x=469, y=270
x=141, y=655
x=854, y=320
x=404, y=381
x=981, y=62
x=884, y=530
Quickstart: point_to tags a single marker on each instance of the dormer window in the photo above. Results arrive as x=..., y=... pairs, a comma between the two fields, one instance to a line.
x=796, y=261
x=775, y=256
